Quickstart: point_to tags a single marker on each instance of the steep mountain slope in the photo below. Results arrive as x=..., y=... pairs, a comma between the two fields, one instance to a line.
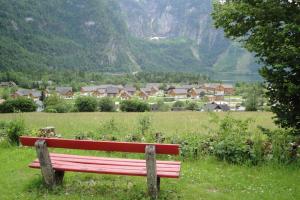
x=116, y=36
x=161, y=20
x=62, y=34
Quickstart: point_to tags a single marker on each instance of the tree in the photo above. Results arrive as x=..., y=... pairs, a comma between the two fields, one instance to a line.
x=134, y=106
x=270, y=29
x=18, y=105
x=86, y=104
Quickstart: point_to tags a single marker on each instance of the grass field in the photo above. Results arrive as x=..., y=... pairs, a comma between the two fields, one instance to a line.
x=205, y=178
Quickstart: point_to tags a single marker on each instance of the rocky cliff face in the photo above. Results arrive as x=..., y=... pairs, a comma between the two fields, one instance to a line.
x=159, y=20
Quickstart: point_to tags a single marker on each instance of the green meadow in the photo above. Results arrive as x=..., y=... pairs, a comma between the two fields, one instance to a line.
x=202, y=178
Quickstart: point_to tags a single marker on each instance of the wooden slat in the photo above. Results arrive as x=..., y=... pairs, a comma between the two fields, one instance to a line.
x=105, y=170
x=112, y=166
x=101, y=145
x=94, y=158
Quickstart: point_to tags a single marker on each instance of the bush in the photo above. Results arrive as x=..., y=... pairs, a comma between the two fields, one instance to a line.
x=14, y=130
x=106, y=104
x=134, y=106
x=59, y=108
x=192, y=106
x=178, y=104
x=55, y=104
x=18, y=105
x=86, y=104
x=161, y=106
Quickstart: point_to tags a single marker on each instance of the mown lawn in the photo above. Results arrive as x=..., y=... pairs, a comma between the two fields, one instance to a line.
x=204, y=178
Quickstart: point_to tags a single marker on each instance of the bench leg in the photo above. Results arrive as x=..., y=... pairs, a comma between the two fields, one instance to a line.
x=50, y=176
x=59, y=177
x=152, y=179
x=158, y=184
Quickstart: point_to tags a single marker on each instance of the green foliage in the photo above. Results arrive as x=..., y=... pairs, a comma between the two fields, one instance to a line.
x=15, y=129
x=178, y=104
x=86, y=104
x=106, y=104
x=274, y=38
x=5, y=94
x=134, y=106
x=144, y=124
x=162, y=106
x=192, y=106
x=18, y=105
x=55, y=104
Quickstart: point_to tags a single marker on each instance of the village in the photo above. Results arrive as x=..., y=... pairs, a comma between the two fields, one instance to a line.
x=208, y=96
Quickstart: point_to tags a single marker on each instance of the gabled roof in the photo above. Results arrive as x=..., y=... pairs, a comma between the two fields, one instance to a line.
x=213, y=106
x=125, y=92
x=36, y=94
x=27, y=92
x=112, y=90
x=145, y=89
x=179, y=91
x=23, y=92
x=130, y=89
x=63, y=90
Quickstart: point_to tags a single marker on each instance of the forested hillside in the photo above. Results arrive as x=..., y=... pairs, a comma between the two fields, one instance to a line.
x=116, y=36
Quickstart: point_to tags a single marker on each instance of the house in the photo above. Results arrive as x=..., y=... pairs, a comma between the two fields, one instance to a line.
x=33, y=94
x=217, y=87
x=8, y=84
x=65, y=92
x=178, y=93
x=112, y=91
x=88, y=90
x=92, y=90
x=213, y=107
x=144, y=94
x=228, y=89
x=124, y=95
x=130, y=90
x=196, y=93
x=99, y=93
x=153, y=87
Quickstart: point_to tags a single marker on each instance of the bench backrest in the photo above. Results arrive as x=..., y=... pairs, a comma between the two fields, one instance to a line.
x=101, y=145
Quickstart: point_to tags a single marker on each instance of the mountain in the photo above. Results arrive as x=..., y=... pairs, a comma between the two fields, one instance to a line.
x=188, y=27
x=117, y=36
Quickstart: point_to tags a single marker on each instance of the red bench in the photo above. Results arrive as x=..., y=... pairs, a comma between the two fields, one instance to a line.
x=54, y=165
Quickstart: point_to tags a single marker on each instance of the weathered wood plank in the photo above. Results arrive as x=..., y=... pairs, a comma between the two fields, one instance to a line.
x=50, y=176
x=151, y=171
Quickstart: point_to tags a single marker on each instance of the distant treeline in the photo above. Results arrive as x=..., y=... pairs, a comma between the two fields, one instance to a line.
x=78, y=78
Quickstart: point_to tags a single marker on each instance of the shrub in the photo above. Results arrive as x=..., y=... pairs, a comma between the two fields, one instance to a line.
x=86, y=104
x=18, y=105
x=161, y=106
x=178, y=104
x=59, y=108
x=134, y=106
x=55, y=104
x=106, y=104
x=52, y=100
x=144, y=124
x=14, y=130
x=192, y=106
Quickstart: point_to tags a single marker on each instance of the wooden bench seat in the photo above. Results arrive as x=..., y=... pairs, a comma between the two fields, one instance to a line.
x=54, y=165
x=102, y=165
